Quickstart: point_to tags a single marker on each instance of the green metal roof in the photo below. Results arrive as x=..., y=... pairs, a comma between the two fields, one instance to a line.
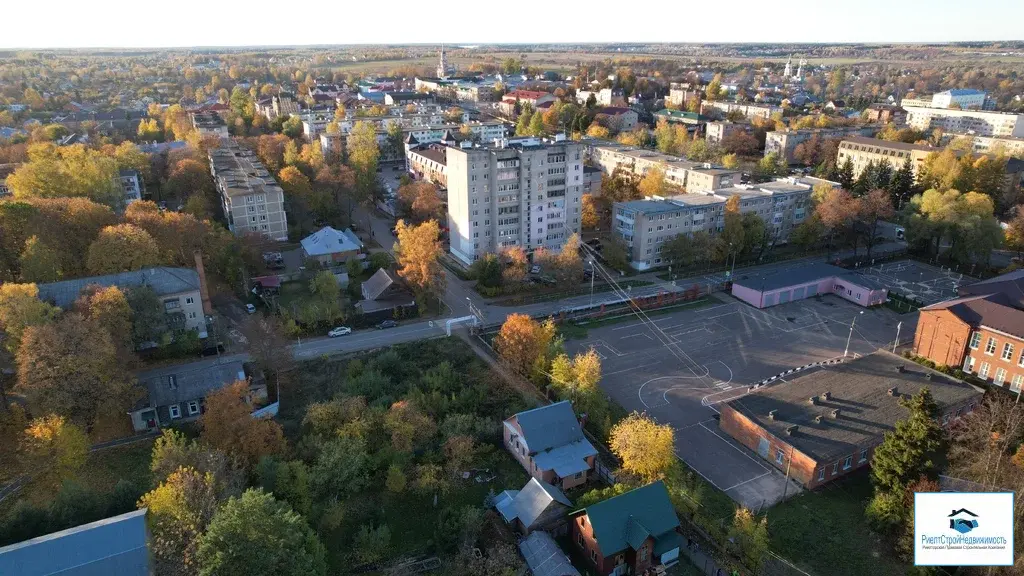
x=627, y=519
x=667, y=542
x=677, y=114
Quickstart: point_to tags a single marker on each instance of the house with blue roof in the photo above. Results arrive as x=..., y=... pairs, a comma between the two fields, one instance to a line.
x=629, y=533
x=549, y=443
x=117, y=545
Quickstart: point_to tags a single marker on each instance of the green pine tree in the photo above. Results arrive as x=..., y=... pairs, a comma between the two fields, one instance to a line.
x=846, y=175
x=916, y=448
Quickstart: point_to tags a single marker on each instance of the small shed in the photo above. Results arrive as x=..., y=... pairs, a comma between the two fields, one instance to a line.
x=544, y=557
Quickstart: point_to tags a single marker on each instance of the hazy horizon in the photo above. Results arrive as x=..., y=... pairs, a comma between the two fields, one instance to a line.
x=119, y=24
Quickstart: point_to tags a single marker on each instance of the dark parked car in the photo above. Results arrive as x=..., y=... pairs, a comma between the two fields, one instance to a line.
x=387, y=324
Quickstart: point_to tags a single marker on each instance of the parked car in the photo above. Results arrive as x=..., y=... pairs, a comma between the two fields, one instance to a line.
x=339, y=331
x=387, y=324
x=250, y=308
x=535, y=269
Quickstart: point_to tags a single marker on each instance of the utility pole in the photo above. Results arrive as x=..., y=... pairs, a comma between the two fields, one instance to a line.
x=897, y=342
x=592, y=274
x=785, y=487
x=846, y=352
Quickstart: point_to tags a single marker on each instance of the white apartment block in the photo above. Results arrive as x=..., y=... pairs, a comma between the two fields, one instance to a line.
x=963, y=99
x=976, y=122
x=313, y=125
x=424, y=134
x=132, y=184
x=646, y=225
x=679, y=172
x=680, y=94
x=784, y=142
x=992, y=144
x=750, y=111
x=520, y=192
x=253, y=201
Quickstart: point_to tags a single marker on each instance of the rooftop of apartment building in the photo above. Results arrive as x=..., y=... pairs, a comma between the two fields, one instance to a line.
x=957, y=111
x=434, y=152
x=888, y=144
x=657, y=204
x=647, y=155
x=240, y=171
x=207, y=119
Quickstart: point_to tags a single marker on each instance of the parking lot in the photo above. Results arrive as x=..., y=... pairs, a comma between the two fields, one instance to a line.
x=696, y=359
x=929, y=284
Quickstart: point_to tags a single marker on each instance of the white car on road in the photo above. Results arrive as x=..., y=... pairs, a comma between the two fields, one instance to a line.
x=339, y=331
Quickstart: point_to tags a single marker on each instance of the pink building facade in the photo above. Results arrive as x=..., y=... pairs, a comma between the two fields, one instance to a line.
x=793, y=285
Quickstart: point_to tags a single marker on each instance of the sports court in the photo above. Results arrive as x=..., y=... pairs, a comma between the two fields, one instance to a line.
x=696, y=359
x=929, y=284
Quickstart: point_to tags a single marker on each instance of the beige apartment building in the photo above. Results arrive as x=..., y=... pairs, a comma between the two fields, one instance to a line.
x=784, y=142
x=748, y=110
x=863, y=151
x=646, y=225
x=518, y=192
x=974, y=122
x=679, y=172
x=253, y=201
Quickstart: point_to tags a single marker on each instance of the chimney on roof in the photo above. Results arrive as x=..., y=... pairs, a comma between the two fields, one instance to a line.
x=826, y=396
x=813, y=400
x=901, y=368
x=818, y=419
x=835, y=413
x=893, y=391
x=772, y=414
x=790, y=430
x=204, y=292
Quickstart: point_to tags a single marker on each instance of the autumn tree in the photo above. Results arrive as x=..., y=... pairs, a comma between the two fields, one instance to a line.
x=67, y=171
x=419, y=250
x=228, y=425
x=419, y=201
x=20, y=309
x=645, y=447
x=55, y=448
x=109, y=307
x=39, y=262
x=653, y=183
x=256, y=534
x=748, y=536
x=589, y=216
x=408, y=426
x=363, y=156
x=566, y=266
x=122, y=248
x=268, y=343
x=837, y=211
x=516, y=266
x=1015, y=231
x=520, y=342
x=179, y=510
x=173, y=451
x=875, y=206
x=71, y=368
x=337, y=182
x=577, y=379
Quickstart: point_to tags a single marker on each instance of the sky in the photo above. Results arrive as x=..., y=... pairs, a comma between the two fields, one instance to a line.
x=184, y=23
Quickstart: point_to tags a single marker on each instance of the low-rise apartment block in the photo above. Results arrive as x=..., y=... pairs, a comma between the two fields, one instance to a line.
x=975, y=122
x=209, y=124
x=520, y=192
x=428, y=162
x=749, y=110
x=784, y=142
x=715, y=132
x=1006, y=145
x=618, y=118
x=962, y=99
x=132, y=184
x=680, y=94
x=681, y=173
x=602, y=97
x=862, y=151
x=886, y=114
x=253, y=201
x=646, y=225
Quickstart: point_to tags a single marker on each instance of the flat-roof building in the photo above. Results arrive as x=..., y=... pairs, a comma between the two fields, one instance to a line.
x=975, y=122
x=825, y=422
x=862, y=151
x=209, y=124
x=253, y=201
x=784, y=142
x=764, y=290
x=679, y=172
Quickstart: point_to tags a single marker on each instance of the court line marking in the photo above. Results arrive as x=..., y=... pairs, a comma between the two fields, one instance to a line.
x=751, y=458
x=746, y=481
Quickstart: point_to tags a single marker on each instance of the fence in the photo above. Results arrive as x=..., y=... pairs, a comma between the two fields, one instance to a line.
x=903, y=304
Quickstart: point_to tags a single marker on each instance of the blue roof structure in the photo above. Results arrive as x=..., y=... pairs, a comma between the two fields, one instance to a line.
x=163, y=280
x=549, y=426
x=116, y=545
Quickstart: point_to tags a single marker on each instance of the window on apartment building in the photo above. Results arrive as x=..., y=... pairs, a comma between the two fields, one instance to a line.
x=1000, y=376
x=990, y=346
x=835, y=468
x=189, y=300
x=821, y=474
x=863, y=455
x=983, y=372
x=848, y=463
x=579, y=540
x=593, y=556
x=976, y=341
x=779, y=456
x=175, y=411
x=969, y=364
x=193, y=407
x=1018, y=381
x=1007, y=351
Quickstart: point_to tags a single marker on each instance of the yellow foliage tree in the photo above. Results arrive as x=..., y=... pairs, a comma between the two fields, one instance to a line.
x=55, y=448
x=179, y=510
x=419, y=250
x=645, y=447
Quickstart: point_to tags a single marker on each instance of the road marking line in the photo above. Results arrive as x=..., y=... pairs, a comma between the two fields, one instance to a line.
x=694, y=468
x=630, y=369
x=746, y=481
x=735, y=448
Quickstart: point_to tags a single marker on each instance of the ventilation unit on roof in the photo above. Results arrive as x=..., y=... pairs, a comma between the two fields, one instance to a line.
x=790, y=430
x=835, y=413
x=772, y=414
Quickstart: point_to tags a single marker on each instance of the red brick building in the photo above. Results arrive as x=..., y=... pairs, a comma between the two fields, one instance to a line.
x=629, y=533
x=825, y=422
x=981, y=332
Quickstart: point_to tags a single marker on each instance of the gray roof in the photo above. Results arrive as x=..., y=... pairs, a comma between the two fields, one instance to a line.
x=1010, y=284
x=544, y=557
x=534, y=499
x=803, y=275
x=376, y=285
x=177, y=384
x=163, y=280
x=327, y=240
x=859, y=389
x=116, y=545
x=549, y=426
x=994, y=311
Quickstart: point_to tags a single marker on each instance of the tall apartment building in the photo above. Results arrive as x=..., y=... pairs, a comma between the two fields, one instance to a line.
x=977, y=122
x=646, y=225
x=253, y=201
x=784, y=143
x=691, y=176
x=863, y=151
x=520, y=192
x=680, y=94
x=749, y=110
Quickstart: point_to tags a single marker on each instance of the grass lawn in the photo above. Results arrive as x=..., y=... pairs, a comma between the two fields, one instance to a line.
x=815, y=529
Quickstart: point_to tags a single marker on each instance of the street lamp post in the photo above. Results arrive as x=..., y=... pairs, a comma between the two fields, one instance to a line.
x=592, y=282
x=897, y=342
x=850, y=337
